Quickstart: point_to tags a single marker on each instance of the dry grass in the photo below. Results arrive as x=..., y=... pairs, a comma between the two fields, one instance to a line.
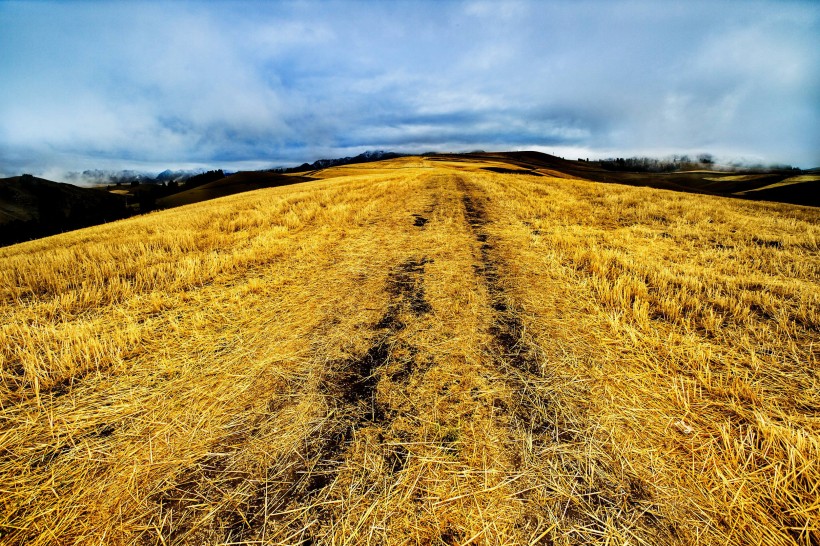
x=790, y=181
x=416, y=352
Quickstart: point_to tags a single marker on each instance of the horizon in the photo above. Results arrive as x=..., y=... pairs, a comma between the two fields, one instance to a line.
x=249, y=85
x=94, y=177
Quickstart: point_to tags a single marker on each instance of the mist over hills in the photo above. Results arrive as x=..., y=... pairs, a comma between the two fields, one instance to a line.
x=103, y=177
x=106, y=177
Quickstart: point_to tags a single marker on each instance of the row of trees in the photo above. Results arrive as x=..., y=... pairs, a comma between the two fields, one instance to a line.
x=680, y=163
x=654, y=165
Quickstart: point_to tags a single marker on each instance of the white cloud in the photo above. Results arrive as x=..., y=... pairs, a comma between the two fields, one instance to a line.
x=220, y=83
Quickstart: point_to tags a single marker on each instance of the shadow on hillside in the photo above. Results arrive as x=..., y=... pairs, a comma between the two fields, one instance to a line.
x=749, y=184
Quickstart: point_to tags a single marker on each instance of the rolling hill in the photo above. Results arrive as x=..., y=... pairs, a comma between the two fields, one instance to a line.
x=426, y=350
x=750, y=184
x=32, y=207
x=236, y=183
x=41, y=207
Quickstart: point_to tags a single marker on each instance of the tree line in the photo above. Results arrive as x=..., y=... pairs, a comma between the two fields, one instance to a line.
x=678, y=163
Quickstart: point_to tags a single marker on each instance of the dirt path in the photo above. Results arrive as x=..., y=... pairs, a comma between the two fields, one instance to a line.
x=556, y=464
x=420, y=451
x=448, y=402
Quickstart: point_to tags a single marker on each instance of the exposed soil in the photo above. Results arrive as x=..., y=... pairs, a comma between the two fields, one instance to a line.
x=356, y=383
x=420, y=220
x=506, y=328
x=518, y=360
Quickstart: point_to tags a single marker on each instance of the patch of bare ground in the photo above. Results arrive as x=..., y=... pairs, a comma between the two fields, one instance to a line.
x=353, y=382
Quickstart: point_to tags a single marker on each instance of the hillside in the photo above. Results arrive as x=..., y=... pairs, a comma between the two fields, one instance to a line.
x=417, y=351
x=40, y=207
x=750, y=184
x=803, y=189
x=32, y=207
x=236, y=183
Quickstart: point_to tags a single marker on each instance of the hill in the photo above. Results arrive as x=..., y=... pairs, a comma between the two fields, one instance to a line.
x=749, y=184
x=417, y=351
x=236, y=183
x=32, y=207
x=803, y=190
x=365, y=157
x=72, y=207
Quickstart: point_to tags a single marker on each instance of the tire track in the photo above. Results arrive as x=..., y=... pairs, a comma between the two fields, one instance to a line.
x=294, y=483
x=506, y=327
x=352, y=384
x=537, y=412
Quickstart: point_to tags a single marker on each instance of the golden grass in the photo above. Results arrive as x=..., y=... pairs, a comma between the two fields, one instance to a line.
x=734, y=177
x=692, y=325
x=789, y=182
x=416, y=352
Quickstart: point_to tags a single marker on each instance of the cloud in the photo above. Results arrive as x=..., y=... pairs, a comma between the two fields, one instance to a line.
x=208, y=84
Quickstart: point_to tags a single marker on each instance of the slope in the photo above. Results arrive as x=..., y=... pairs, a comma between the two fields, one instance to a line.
x=236, y=183
x=34, y=207
x=420, y=353
x=705, y=182
x=798, y=189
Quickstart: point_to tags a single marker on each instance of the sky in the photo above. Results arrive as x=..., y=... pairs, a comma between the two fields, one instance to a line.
x=150, y=86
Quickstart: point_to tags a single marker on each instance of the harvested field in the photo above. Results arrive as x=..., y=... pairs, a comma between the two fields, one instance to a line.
x=417, y=352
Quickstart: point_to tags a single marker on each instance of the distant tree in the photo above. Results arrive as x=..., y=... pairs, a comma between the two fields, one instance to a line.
x=204, y=178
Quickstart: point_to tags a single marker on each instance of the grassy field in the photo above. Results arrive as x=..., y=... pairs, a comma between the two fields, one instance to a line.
x=417, y=352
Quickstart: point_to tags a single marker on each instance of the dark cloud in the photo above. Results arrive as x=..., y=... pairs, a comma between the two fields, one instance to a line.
x=145, y=85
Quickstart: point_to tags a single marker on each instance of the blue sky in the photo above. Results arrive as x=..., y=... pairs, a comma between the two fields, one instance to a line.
x=255, y=84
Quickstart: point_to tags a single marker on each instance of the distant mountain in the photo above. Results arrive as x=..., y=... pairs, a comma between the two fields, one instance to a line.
x=177, y=176
x=33, y=207
x=100, y=177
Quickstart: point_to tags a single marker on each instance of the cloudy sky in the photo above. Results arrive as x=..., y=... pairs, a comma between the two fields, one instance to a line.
x=254, y=84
